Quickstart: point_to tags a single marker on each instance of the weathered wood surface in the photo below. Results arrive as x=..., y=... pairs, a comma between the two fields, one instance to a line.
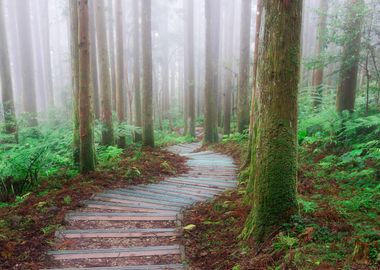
x=135, y=218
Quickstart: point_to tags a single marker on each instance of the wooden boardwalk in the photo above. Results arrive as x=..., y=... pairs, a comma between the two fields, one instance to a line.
x=139, y=228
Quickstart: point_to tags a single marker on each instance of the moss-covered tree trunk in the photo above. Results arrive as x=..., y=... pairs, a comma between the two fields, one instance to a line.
x=254, y=93
x=105, y=79
x=345, y=100
x=189, y=68
x=274, y=162
x=6, y=80
x=136, y=71
x=27, y=61
x=147, y=98
x=74, y=32
x=86, y=117
x=317, y=79
x=244, y=68
x=120, y=98
x=212, y=70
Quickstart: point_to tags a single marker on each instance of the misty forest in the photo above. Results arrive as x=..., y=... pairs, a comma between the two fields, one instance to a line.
x=190, y=134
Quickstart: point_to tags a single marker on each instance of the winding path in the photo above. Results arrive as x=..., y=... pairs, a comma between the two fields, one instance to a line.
x=139, y=228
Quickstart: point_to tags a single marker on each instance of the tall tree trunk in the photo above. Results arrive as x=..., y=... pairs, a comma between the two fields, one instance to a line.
x=147, y=98
x=254, y=94
x=189, y=67
x=245, y=45
x=6, y=80
x=228, y=75
x=321, y=44
x=86, y=118
x=165, y=103
x=94, y=60
x=111, y=48
x=27, y=60
x=44, y=6
x=136, y=70
x=120, y=97
x=211, y=78
x=345, y=100
x=274, y=165
x=74, y=32
x=105, y=80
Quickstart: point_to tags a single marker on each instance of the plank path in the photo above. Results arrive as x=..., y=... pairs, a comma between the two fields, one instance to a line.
x=140, y=227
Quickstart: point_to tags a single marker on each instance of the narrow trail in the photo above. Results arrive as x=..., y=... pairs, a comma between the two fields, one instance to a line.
x=140, y=227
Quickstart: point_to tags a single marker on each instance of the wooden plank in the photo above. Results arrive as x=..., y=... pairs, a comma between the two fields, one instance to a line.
x=169, y=193
x=120, y=216
x=182, y=189
x=118, y=233
x=149, y=195
x=124, y=207
x=136, y=267
x=203, y=184
x=115, y=252
x=139, y=195
x=141, y=202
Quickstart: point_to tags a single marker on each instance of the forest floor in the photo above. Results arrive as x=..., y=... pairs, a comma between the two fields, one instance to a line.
x=28, y=226
x=338, y=225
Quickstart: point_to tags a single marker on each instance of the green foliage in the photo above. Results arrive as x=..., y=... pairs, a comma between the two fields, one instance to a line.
x=285, y=242
x=165, y=138
x=109, y=155
x=307, y=206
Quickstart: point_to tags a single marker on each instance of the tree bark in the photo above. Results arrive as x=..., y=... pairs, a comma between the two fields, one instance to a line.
x=346, y=94
x=120, y=97
x=74, y=32
x=274, y=164
x=6, y=80
x=245, y=45
x=105, y=80
x=211, y=77
x=28, y=68
x=228, y=75
x=147, y=98
x=86, y=118
x=136, y=70
x=321, y=44
x=94, y=60
x=189, y=67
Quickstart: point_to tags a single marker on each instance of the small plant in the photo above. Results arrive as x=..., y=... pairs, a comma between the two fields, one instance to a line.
x=285, y=242
x=67, y=200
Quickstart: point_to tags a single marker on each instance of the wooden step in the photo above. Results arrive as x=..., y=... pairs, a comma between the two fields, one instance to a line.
x=115, y=253
x=124, y=207
x=118, y=233
x=160, y=205
x=121, y=216
x=182, y=189
x=168, y=192
x=149, y=195
x=136, y=267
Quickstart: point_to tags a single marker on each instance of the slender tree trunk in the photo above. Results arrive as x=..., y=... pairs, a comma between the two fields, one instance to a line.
x=44, y=6
x=6, y=80
x=136, y=70
x=147, y=98
x=274, y=165
x=26, y=40
x=245, y=45
x=321, y=44
x=211, y=78
x=86, y=118
x=120, y=98
x=94, y=60
x=165, y=99
x=189, y=67
x=111, y=48
x=351, y=55
x=228, y=76
x=74, y=32
x=105, y=80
